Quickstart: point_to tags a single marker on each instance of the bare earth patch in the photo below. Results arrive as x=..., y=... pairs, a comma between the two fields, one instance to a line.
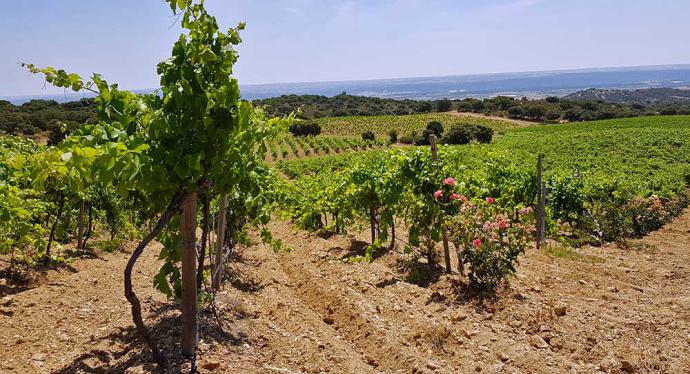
x=310, y=311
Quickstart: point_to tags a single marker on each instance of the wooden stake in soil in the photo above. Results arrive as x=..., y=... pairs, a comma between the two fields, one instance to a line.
x=540, y=208
x=372, y=222
x=218, y=270
x=542, y=216
x=189, y=298
x=80, y=226
x=446, y=250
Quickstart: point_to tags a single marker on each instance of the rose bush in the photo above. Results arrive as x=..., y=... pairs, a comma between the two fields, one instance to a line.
x=488, y=240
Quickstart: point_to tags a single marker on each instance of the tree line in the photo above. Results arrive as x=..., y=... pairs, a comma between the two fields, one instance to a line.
x=37, y=116
x=60, y=119
x=549, y=109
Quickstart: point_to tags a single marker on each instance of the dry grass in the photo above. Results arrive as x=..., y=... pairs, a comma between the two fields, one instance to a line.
x=437, y=335
x=562, y=251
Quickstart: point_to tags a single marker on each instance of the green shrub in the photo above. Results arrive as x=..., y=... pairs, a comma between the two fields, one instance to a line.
x=483, y=134
x=465, y=133
x=458, y=134
x=436, y=128
x=368, y=135
x=407, y=139
x=393, y=136
x=424, y=138
x=305, y=129
x=553, y=116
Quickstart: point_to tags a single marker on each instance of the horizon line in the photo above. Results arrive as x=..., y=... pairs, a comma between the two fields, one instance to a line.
x=564, y=71
x=573, y=70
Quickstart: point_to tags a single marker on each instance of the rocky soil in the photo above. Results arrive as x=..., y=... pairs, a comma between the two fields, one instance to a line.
x=612, y=310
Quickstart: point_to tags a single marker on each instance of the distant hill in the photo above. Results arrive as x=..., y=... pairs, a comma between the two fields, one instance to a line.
x=650, y=96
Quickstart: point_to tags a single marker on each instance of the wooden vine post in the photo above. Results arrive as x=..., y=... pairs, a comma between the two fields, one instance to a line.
x=446, y=250
x=189, y=264
x=542, y=220
x=541, y=200
x=220, y=241
x=372, y=222
x=80, y=225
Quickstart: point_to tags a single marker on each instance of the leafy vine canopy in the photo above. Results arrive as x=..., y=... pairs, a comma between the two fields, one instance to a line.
x=193, y=133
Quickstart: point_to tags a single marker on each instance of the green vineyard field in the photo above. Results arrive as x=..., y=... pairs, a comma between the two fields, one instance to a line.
x=404, y=124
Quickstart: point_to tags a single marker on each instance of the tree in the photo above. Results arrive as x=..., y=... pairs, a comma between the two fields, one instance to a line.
x=464, y=106
x=552, y=116
x=534, y=112
x=436, y=127
x=477, y=105
x=424, y=107
x=503, y=102
x=516, y=112
x=443, y=105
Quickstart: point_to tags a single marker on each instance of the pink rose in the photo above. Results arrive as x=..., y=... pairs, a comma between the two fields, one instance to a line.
x=526, y=210
x=438, y=194
x=490, y=200
x=463, y=198
x=454, y=196
x=502, y=224
x=476, y=243
x=450, y=181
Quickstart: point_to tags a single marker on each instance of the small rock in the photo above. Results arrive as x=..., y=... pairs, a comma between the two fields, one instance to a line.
x=560, y=310
x=39, y=357
x=371, y=361
x=211, y=365
x=469, y=334
x=613, y=289
x=503, y=357
x=328, y=320
x=627, y=367
x=608, y=364
x=538, y=342
x=432, y=365
x=582, y=282
x=457, y=317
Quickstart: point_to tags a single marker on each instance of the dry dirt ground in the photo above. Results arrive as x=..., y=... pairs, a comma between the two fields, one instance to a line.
x=308, y=311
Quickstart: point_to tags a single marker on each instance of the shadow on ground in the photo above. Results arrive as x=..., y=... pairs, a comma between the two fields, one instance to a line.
x=126, y=350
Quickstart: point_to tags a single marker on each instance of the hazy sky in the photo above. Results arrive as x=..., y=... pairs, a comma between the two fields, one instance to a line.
x=320, y=40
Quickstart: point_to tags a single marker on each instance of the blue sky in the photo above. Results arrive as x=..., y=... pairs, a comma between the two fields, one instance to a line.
x=321, y=40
